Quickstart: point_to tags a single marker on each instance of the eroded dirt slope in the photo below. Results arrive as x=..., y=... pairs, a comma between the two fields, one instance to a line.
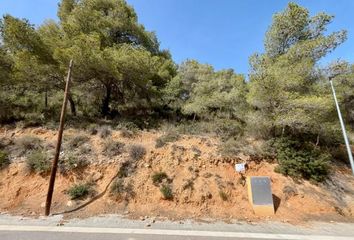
x=197, y=174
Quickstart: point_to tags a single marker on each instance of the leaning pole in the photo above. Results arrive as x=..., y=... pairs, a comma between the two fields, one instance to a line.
x=350, y=155
x=53, y=172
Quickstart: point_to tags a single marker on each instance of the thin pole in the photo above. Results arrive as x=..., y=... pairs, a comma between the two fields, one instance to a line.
x=57, y=149
x=343, y=128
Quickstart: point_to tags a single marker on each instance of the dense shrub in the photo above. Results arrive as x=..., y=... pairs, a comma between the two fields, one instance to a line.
x=302, y=160
x=158, y=177
x=164, y=139
x=33, y=120
x=137, y=152
x=166, y=191
x=79, y=191
x=38, y=161
x=4, y=160
x=112, y=148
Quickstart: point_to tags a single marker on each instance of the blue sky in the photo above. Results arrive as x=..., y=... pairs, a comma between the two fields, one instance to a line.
x=223, y=33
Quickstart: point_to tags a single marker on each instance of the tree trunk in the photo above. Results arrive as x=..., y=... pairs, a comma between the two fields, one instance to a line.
x=105, y=103
x=72, y=105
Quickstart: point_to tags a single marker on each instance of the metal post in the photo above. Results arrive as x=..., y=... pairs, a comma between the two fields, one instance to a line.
x=57, y=149
x=343, y=128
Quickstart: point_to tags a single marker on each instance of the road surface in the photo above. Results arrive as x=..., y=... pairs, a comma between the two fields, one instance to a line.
x=116, y=227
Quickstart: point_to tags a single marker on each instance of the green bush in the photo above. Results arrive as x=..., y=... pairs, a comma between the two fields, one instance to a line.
x=166, y=191
x=4, y=160
x=79, y=191
x=137, y=152
x=302, y=160
x=112, y=148
x=227, y=128
x=33, y=120
x=72, y=162
x=158, y=177
x=164, y=139
x=37, y=161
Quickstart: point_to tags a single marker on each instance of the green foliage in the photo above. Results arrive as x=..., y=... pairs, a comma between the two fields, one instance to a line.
x=295, y=103
x=38, y=161
x=79, y=191
x=4, y=160
x=137, y=152
x=158, y=177
x=72, y=162
x=302, y=160
x=112, y=148
x=164, y=139
x=166, y=191
x=200, y=91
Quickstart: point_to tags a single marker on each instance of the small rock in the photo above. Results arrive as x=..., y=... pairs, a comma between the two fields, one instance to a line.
x=142, y=218
x=70, y=203
x=148, y=225
x=43, y=205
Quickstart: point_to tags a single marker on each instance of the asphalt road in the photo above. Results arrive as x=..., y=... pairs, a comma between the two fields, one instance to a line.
x=12, y=232
x=117, y=227
x=98, y=236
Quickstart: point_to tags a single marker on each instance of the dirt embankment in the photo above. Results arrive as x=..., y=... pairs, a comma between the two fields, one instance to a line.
x=199, y=178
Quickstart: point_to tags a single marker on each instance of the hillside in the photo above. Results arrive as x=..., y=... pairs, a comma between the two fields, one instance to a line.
x=204, y=184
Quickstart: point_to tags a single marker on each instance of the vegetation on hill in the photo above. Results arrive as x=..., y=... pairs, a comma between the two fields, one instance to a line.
x=122, y=74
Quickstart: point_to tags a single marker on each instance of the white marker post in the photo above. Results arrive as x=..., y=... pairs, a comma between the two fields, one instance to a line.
x=350, y=155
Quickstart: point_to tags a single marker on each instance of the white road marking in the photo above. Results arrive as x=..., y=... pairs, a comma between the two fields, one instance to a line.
x=169, y=232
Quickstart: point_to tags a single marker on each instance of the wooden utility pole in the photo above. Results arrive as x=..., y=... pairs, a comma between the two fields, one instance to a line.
x=53, y=172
